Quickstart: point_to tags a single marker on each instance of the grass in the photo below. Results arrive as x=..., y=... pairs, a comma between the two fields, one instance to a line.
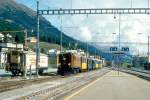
x=46, y=46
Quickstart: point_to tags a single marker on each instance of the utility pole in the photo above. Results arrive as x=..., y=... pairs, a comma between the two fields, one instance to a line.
x=37, y=42
x=119, y=43
x=148, y=49
x=95, y=51
x=26, y=35
x=131, y=3
x=113, y=64
x=25, y=47
x=61, y=29
x=87, y=49
x=114, y=38
x=148, y=3
x=71, y=4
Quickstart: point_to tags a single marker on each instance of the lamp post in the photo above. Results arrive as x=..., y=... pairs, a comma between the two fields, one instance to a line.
x=131, y=3
x=61, y=29
x=148, y=4
x=113, y=61
x=114, y=37
x=37, y=42
x=119, y=40
x=119, y=43
x=71, y=4
x=148, y=49
x=87, y=48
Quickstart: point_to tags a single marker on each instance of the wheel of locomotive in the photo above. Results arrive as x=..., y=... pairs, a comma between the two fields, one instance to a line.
x=72, y=70
x=62, y=72
x=23, y=73
x=59, y=71
x=40, y=72
x=14, y=73
x=75, y=70
x=79, y=70
x=18, y=72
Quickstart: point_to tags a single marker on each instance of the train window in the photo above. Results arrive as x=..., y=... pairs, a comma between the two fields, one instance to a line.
x=15, y=53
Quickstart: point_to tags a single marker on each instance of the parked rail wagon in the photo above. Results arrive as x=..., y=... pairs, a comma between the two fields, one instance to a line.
x=104, y=62
x=96, y=61
x=84, y=66
x=90, y=64
x=100, y=64
x=30, y=62
x=19, y=62
x=53, y=60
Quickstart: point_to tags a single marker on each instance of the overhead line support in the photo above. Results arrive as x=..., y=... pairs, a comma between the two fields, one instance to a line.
x=95, y=11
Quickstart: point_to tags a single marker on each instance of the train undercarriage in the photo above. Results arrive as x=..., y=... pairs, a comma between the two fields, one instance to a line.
x=68, y=70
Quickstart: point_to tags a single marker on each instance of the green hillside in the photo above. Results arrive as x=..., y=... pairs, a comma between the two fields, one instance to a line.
x=15, y=16
x=44, y=46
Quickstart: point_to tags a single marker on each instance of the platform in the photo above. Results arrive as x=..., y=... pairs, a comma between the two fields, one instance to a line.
x=113, y=87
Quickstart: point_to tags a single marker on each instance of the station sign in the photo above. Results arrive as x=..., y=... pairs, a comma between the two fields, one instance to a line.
x=126, y=49
x=113, y=48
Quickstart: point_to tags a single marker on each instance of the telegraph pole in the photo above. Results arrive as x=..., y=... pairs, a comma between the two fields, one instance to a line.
x=148, y=6
x=87, y=48
x=37, y=42
x=71, y=4
x=114, y=38
x=131, y=3
x=148, y=49
x=148, y=3
x=119, y=43
x=61, y=29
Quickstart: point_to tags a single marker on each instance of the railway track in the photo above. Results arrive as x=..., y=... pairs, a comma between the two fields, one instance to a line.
x=6, y=85
x=67, y=86
x=141, y=71
x=64, y=84
x=138, y=73
x=52, y=89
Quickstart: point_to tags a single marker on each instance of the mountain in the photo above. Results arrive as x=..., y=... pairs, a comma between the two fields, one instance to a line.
x=14, y=16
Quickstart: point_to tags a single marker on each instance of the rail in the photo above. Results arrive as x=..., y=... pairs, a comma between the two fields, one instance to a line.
x=139, y=73
x=67, y=86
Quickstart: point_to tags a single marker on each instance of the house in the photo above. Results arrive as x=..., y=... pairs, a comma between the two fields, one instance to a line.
x=31, y=39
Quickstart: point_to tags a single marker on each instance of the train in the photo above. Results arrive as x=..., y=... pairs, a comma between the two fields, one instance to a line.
x=24, y=62
x=53, y=60
x=71, y=63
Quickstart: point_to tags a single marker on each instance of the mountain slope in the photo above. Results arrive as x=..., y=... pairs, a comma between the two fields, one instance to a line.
x=23, y=17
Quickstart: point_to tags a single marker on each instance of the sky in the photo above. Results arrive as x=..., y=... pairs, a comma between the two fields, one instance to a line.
x=99, y=28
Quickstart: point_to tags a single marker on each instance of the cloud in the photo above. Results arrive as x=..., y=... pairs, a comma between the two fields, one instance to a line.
x=85, y=34
x=100, y=27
